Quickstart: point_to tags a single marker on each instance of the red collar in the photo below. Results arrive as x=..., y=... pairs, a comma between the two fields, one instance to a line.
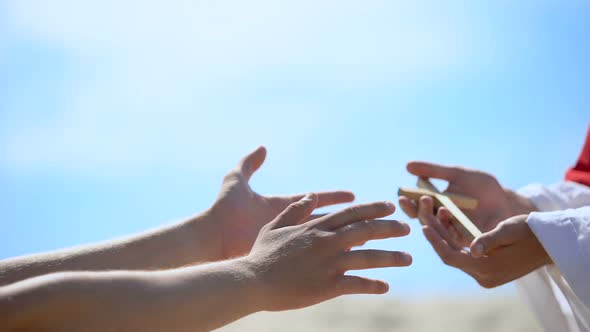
x=580, y=172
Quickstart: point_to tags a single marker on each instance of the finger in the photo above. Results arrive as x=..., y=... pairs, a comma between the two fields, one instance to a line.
x=334, y=197
x=252, y=162
x=325, y=198
x=296, y=212
x=370, y=259
x=360, y=285
x=354, y=214
x=358, y=233
x=444, y=216
x=408, y=206
x=431, y=170
x=426, y=212
x=425, y=208
x=504, y=234
x=448, y=254
x=315, y=216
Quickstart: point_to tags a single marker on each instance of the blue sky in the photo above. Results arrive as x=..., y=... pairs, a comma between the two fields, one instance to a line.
x=118, y=117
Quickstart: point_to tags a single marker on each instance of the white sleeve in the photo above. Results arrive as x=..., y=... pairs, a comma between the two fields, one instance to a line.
x=546, y=302
x=543, y=290
x=559, y=196
x=565, y=235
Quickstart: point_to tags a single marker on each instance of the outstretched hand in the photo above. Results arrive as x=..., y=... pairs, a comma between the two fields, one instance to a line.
x=320, y=251
x=507, y=252
x=240, y=212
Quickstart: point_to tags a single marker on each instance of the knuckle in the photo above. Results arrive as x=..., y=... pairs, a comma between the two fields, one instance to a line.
x=297, y=205
x=366, y=256
x=334, y=266
x=320, y=239
x=395, y=228
x=498, y=233
x=360, y=233
x=364, y=285
x=354, y=227
x=486, y=178
x=489, y=178
x=455, y=171
x=265, y=228
x=395, y=258
x=356, y=211
x=296, y=208
x=369, y=229
x=231, y=176
x=460, y=169
x=353, y=234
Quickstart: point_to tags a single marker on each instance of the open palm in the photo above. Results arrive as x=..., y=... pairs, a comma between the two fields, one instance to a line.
x=241, y=212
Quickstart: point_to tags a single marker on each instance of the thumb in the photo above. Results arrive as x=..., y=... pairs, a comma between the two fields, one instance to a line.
x=252, y=162
x=296, y=212
x=500, y=236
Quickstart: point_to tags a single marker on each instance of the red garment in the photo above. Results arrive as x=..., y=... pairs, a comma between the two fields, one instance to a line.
x=581, y=171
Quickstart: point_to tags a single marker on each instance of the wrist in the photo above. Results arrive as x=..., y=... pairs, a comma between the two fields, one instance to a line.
x=205, y=235
x=517, y=205
x=208, y=296
x=256, y=289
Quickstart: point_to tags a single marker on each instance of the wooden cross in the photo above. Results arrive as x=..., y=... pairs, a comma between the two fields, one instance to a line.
x=453, y=202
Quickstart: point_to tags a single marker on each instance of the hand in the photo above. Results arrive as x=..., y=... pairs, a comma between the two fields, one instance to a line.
x=504, y=254
x=302, y=263
x=240, y=213
x=495, y=203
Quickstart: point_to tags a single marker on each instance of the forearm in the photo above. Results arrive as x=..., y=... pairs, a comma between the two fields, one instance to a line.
x=191, y=299
x=188, y=242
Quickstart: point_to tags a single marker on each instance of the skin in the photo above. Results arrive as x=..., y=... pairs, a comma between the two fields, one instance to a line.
x=507, y=250
x=495, y=203
x=240, y=213
x=208, y=296
x=226, y=230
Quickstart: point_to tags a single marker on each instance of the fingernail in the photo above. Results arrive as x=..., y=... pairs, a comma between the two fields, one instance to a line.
x=390, y=205
x=478, y=249
x=308, y=197
x=406, y=227
x=406, y=258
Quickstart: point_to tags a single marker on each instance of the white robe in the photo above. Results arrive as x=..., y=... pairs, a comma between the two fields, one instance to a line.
x=559, y=294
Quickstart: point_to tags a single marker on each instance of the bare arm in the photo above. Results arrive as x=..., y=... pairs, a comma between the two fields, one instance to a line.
x=205, y=297
x=181, y=244
x=195, y=298
x=226, y=230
